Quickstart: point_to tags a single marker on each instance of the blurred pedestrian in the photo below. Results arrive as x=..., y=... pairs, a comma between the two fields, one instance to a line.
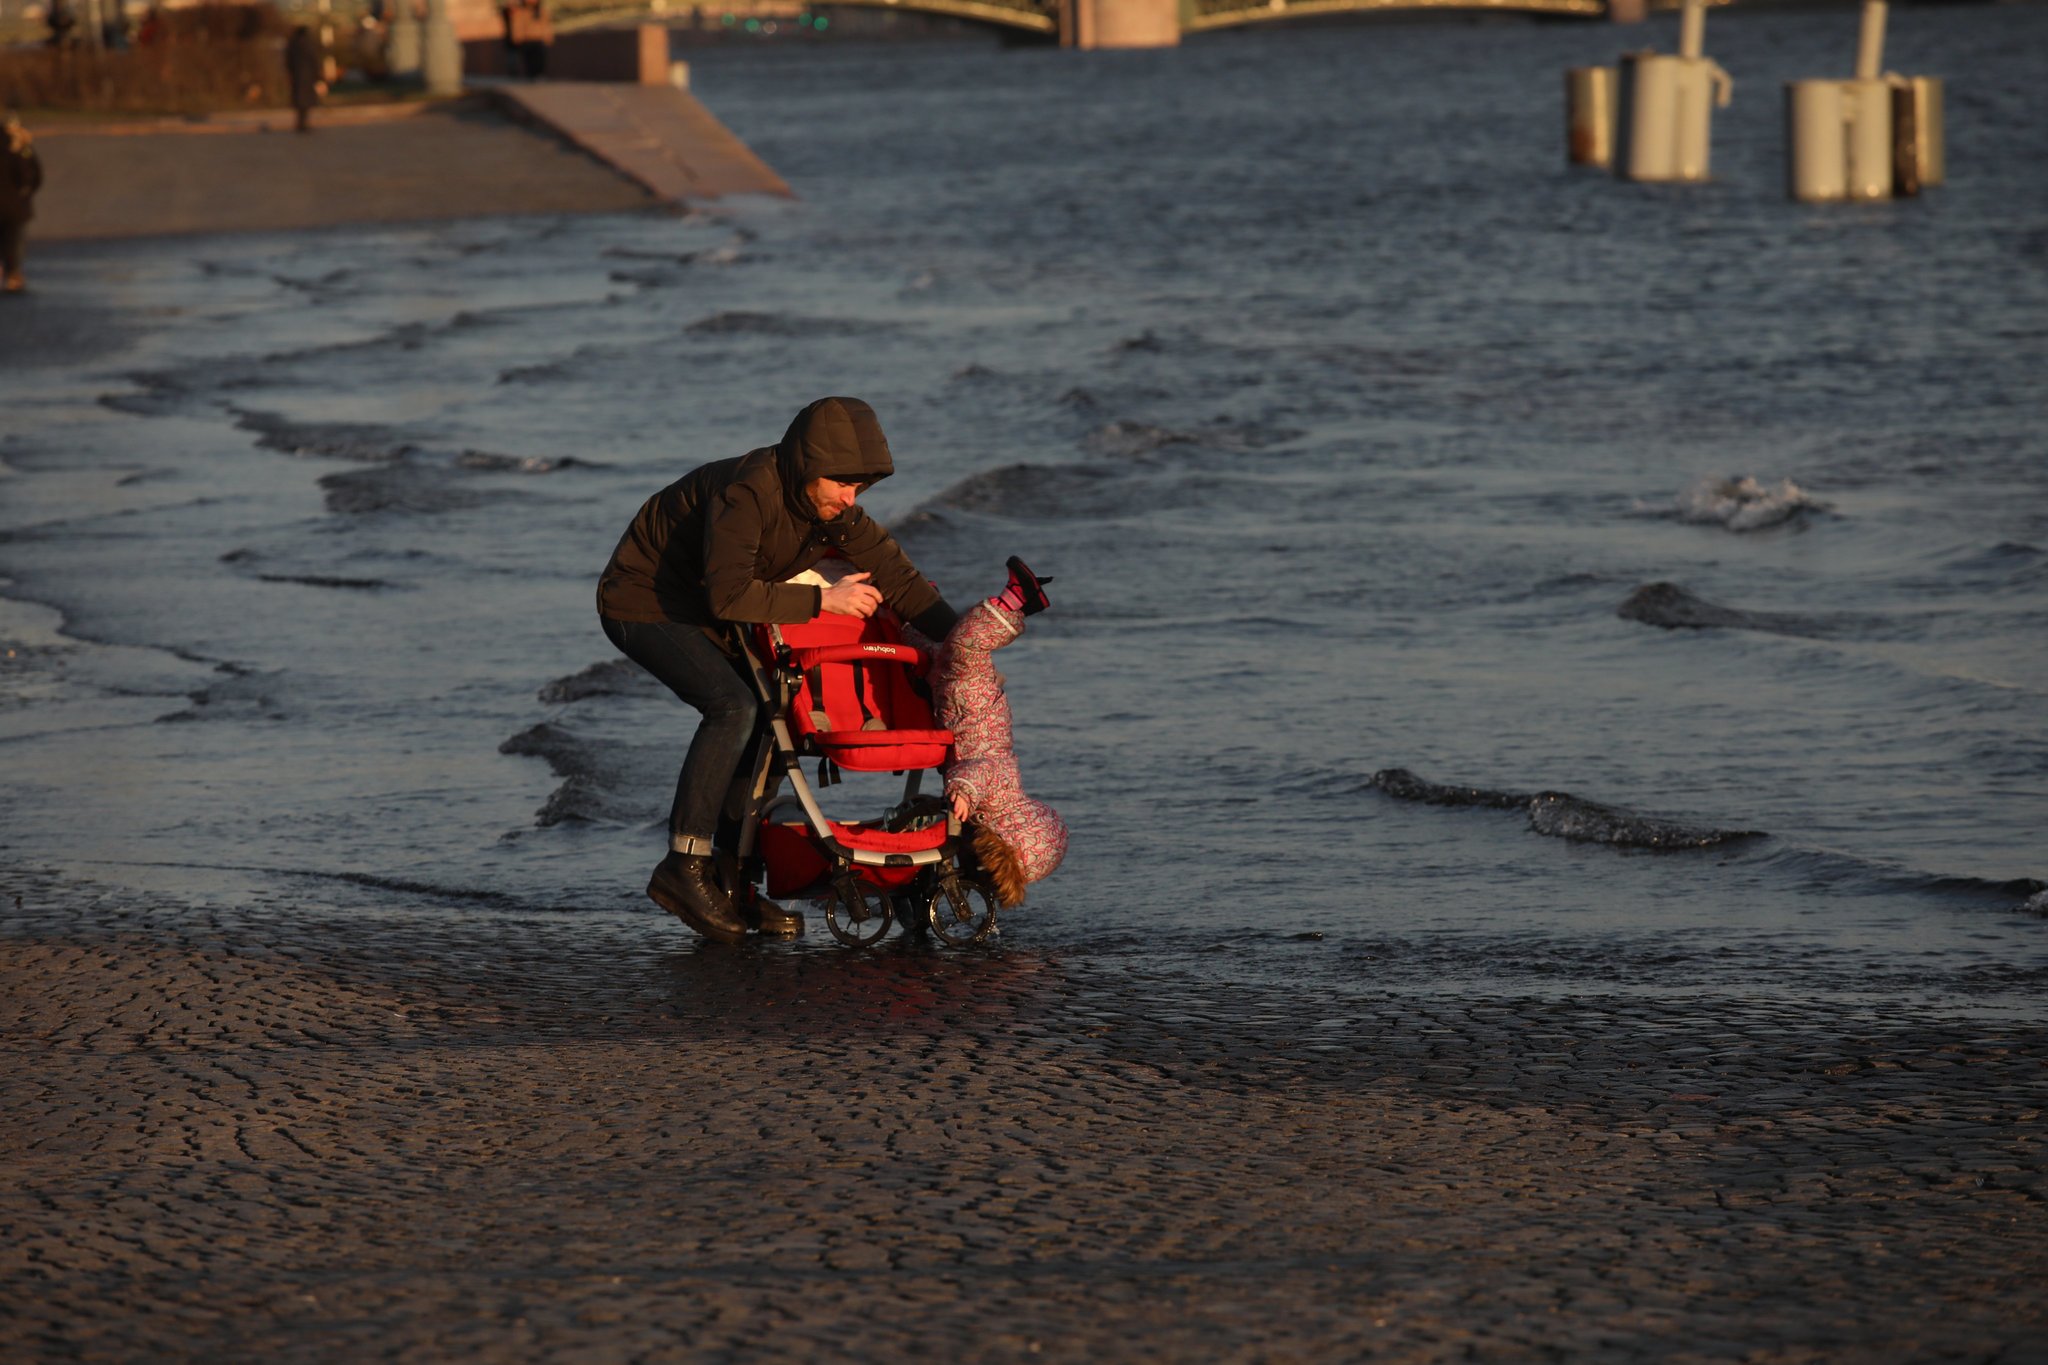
x=371, y=37
x=528, y=33
x=61, y=19
x=302, y=63
x=21, y=175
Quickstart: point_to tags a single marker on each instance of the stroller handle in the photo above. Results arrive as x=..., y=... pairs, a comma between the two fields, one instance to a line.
x=908, y=655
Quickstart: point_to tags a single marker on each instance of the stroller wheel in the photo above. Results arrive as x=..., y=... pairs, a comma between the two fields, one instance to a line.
x=963, y=912
x=858, y=914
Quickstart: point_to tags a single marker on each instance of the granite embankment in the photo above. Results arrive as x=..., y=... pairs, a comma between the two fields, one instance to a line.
x=556, y=147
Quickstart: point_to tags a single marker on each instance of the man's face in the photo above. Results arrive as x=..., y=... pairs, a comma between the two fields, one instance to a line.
x=829, y=497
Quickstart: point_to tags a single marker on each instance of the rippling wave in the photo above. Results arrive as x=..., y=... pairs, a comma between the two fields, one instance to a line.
x=1564, y=816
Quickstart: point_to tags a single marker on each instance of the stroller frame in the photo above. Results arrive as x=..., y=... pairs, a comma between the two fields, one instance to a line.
x=868, y=877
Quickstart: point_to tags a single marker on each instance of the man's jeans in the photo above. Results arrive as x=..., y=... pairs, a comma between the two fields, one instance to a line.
x=691, y=665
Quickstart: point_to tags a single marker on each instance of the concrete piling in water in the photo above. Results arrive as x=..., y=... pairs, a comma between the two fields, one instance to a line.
x=1092, y=24
x=1589, y=100
x=1877, y=135
x=1917, y=157
x=1664, y=107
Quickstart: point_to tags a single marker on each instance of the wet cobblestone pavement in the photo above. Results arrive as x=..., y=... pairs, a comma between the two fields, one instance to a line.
x=325, y=1130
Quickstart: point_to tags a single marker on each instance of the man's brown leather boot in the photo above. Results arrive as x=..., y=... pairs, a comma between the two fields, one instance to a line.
x=764, y=916
x=682, y=885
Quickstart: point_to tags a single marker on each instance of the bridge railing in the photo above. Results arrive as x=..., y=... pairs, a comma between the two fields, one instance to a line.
x=1041, y=16
x=1196, y=16
x=1038, y=16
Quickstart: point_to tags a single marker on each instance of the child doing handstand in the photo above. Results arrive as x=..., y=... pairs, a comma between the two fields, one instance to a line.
x=1016, y=839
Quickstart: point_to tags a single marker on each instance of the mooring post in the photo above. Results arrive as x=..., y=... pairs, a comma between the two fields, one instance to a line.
x=440, y=54
x=1664, y=120
x=1873, y=136
x=402, y=46
x=1589, y=102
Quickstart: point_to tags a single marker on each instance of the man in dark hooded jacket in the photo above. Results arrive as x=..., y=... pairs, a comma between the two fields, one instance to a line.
x=716, y=547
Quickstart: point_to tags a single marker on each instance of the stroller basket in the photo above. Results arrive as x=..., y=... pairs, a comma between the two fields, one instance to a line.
x=795, y=860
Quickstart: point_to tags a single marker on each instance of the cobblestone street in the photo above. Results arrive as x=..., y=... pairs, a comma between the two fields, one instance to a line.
x=333, y=1132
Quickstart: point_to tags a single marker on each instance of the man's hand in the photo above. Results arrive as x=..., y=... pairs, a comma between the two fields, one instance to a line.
x=851, y=596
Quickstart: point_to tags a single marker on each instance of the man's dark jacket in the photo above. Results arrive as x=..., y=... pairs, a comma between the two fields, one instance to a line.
x=716, y=545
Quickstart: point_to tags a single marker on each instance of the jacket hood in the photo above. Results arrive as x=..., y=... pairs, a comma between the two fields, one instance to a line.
x=833, y=438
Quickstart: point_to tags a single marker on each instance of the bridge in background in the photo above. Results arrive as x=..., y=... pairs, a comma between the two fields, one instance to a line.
x=1109, y=23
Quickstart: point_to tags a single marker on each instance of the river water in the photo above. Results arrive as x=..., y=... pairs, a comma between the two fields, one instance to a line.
x=1347, y=417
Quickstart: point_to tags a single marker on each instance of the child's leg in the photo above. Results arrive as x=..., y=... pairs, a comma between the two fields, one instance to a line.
x=971, y=703
x=1025, y=591
x=969, y=690
x=984, y=628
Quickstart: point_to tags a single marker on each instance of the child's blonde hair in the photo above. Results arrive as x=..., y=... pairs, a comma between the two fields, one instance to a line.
x=1000, y=862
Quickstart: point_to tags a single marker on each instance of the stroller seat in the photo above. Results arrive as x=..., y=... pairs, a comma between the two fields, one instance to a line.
x=862, y=702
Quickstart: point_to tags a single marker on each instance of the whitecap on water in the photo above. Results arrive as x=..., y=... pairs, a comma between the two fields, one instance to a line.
x=1740, y=503
x=490, y=462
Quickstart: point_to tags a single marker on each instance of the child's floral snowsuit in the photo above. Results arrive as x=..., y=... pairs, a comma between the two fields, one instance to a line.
x=971, y=703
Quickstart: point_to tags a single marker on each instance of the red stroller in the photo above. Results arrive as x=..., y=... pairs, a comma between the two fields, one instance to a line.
x=850, y=694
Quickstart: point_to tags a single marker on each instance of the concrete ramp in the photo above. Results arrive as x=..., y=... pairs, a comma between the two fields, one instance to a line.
x=656, y=135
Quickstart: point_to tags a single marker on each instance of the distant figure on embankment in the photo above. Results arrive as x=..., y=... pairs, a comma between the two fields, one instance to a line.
x=62, y=21
x=21, y=175
x=302, y=63
x=528, y=33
